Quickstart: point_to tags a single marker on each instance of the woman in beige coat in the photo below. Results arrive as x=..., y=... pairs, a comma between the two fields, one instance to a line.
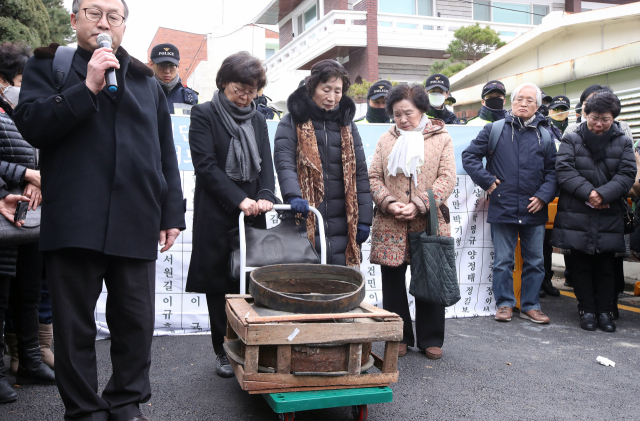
x=413, y=156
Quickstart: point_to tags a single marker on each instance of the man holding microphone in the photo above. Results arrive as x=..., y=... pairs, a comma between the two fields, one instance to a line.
x=112, y=191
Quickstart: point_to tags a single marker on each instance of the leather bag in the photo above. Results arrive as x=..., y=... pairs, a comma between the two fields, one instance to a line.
x=434, y=277
x=285, y=243
x=11, y=235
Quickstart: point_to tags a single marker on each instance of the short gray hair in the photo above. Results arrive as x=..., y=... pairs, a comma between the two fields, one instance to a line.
x=75, y=8
x=516, y=91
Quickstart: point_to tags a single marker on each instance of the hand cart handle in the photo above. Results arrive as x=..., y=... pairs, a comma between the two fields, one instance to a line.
x=243, y=243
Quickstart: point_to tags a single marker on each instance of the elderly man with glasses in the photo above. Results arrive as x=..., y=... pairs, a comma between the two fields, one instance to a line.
x=165, y=62
x=520, y=177
x=112, y=192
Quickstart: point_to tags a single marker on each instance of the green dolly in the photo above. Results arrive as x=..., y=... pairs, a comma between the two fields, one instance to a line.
x=287, y=404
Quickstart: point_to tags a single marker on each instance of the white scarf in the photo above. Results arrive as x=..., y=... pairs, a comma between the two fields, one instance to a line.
x=407, y=154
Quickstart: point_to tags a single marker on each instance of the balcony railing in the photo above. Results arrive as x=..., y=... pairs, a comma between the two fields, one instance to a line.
x=337, y=28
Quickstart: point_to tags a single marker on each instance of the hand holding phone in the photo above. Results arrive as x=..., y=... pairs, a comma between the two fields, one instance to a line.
x=21, y=211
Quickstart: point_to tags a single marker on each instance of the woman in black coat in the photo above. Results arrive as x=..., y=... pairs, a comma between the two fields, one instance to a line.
x=595, y=168
x=322, y=103
x=234, y=172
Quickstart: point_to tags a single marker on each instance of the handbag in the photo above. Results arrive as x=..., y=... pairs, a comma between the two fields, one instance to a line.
x=285, y=243
x=434, y=277
x=11, y=235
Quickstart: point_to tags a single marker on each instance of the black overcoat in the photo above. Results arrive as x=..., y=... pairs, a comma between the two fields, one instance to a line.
x=110, y=179
x=578, y=226
x=327, y=130
x=217, y=197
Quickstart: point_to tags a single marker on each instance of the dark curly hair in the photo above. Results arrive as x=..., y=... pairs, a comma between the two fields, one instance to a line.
x=13, y=57
x=414, y=93
x=324, y=71
x=603, y=102
x=243, y=68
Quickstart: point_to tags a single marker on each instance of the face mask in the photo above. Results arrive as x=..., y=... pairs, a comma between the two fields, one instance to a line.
x=436, y=99
x=377, y=115
x=449, y=107
x=11, y=95
x=494, y=103
x=544, y=110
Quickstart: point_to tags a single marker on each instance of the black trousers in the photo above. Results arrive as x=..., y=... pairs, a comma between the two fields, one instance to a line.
x=5, y=285
x=75, y=281
x=218, y=320
x=429, y=317
x=568, y=269
x=24, y=297
x=593, y=281
x=547, y=253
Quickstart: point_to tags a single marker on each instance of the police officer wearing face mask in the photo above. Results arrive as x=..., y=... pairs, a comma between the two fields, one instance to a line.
x=546, y=101
x=559, y=115
x=437, y=87
x=376, y=100
x=493, y=99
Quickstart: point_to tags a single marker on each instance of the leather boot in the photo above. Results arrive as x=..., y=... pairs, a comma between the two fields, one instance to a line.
x=45, y=337
x=7, y=394
x=32, y=370
x=606, y=322
x=588, y=321
x=549, y=289
x=12, y=346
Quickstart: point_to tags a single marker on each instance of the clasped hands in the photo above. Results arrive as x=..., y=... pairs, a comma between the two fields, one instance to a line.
x=597, y=201
x=403, y=211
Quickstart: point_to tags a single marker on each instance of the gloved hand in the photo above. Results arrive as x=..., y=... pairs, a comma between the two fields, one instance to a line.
x=363, y=233
x=299, y=205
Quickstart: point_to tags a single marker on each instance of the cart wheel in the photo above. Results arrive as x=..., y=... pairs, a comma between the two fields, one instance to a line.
x=360, y=412
x=287, y=416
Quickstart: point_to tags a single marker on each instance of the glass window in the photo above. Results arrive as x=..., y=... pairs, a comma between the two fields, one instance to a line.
x=310, y=17
x=516, y=13
x=425, y=7
x=269, y=52
x=481, y=11
x=404, y=7
x=300, y=27
x=538, y=10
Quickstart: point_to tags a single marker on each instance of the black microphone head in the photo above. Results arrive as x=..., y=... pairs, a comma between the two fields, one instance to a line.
x=103, y=38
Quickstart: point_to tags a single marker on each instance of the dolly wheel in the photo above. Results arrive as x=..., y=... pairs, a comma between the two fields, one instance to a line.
x=360, y=412
x=287, y=416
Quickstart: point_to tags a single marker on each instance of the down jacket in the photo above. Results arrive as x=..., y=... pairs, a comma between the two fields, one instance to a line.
x=327, y=129
x=16, y=155
x=578, y=226
x=389, y=237
x=523, y=163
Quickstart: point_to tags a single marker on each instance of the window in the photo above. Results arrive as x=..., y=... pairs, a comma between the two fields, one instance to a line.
x=269, y=52
x=511, y=13
x=538, y=10
x=425, y=7
x=481, y=11
x=306, y=19
x=403, y=7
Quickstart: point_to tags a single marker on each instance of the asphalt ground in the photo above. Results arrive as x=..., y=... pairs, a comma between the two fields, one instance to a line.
x=489, y=371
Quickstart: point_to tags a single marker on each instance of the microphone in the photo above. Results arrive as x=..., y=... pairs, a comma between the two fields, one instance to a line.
x=104, y=40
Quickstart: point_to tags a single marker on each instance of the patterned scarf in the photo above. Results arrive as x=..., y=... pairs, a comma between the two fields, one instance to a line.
x=311, y=183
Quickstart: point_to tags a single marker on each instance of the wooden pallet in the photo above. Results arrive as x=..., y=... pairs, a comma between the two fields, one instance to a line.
x=368, y=324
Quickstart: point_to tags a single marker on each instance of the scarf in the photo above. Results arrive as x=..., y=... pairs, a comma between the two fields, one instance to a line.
x=489, y=114
x=168, y=87
x=243, y=160
x=597, y=143
x=309, y=166
x=377, y=115
x=407, y=154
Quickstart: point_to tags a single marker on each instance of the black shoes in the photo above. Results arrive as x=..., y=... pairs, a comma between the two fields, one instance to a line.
x=588, y=321
x=223, y=368
x=32, y=370
x=7, y=394
x=606, y=322
x=139, y=418
x=549, y=289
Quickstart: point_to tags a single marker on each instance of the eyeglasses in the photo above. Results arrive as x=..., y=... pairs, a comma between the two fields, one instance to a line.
x=94, y=15
x=560, y=110
x=242, y=93
x=167, y=66
x=527, y=101
x=595, y=120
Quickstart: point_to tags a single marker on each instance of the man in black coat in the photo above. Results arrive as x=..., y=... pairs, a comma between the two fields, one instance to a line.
x=111, y=189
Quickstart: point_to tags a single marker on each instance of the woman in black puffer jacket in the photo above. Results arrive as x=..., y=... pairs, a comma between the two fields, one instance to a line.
x=21, y=267
x=595, y=168
x=345, y=200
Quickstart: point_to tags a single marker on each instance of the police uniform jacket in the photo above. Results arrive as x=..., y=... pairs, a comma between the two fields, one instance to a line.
x=110, y=179
x=181, y=95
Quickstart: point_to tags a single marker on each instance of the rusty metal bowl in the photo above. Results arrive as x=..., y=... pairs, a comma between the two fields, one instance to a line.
x=308, y=288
